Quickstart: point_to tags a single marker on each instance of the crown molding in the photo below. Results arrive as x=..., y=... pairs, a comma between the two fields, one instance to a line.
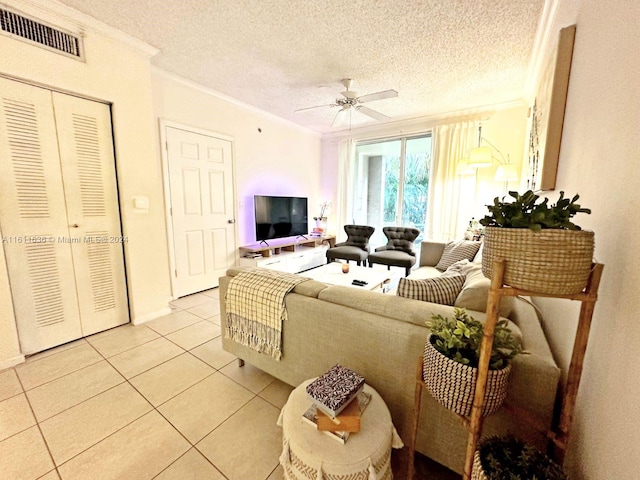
x=540, y=47
x=214, y=93
x=52, y=11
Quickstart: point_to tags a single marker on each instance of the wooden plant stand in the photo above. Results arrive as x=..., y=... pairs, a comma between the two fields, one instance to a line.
x=559, y=435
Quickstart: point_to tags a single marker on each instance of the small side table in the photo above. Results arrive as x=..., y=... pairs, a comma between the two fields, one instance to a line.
x=311, y=454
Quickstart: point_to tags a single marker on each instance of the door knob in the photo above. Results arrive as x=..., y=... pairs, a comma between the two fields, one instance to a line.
x=231, y=220
x=75, y=225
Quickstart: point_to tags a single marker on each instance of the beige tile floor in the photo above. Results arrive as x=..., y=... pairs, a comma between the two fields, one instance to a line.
x=160, y=400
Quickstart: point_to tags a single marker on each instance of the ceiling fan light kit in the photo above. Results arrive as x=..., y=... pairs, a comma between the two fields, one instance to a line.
x=339, y=118
x=351, y=101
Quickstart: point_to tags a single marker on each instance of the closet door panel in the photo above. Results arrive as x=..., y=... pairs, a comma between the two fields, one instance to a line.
x=33, y=220
x=89, y=177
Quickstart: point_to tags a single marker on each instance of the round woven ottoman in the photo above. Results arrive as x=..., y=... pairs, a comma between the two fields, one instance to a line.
x=309, y=454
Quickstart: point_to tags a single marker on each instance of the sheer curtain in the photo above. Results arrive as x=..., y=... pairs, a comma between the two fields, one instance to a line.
x=346, y=161
x=451, y=196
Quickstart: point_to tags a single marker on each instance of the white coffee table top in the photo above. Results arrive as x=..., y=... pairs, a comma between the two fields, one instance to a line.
x=331, y=273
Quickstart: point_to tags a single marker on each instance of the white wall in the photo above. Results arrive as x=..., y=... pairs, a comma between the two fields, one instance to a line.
x=282, y=159
x=599, y=160
x=506, y=129
x=113, y=72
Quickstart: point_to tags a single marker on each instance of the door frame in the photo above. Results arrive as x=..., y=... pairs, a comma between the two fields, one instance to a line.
x=163, y=125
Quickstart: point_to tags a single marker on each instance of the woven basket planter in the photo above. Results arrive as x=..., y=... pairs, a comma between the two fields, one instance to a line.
x=531, y=464
x=556, y=262
x=453, y=384
x=477, y=472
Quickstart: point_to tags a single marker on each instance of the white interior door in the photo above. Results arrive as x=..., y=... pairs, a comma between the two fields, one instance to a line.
x=202, y=206
x=33, y=220
x=88, y=173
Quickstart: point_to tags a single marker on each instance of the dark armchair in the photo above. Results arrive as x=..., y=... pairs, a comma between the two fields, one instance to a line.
x=398, y=252
x=355, y=248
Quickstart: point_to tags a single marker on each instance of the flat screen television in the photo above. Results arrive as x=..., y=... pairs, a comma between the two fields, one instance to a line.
x=278, y=217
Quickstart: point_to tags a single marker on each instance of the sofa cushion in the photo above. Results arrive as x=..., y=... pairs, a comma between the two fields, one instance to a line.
x=393, y=306
x=430, y=253
x=478, y=257
x=441, y=290
x=424, y=272
x=475, y=291
x=456, y=251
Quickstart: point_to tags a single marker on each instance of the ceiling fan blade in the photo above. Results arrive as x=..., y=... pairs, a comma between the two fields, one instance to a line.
x=317, y=106
x=381, y=117
x=377, y=96
x=339, y=119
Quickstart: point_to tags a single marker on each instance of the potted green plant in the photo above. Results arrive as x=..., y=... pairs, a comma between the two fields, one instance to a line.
x=544, y=250
x=507, y=457
x=450, y=361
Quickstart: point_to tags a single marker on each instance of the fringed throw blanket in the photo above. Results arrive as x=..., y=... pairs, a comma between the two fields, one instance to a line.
x=256, y=309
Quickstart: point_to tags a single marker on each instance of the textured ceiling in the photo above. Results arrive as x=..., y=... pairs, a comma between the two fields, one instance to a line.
x=440, y=55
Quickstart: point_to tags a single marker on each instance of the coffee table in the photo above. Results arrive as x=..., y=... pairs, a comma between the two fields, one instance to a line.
x=331, y=273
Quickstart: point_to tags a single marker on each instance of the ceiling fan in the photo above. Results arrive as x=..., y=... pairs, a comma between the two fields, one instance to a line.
x=351, y=101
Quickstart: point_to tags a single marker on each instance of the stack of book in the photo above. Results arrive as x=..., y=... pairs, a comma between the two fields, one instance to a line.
x=338, y=402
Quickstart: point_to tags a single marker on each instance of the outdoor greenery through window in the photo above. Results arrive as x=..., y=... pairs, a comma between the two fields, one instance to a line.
x=391, y=184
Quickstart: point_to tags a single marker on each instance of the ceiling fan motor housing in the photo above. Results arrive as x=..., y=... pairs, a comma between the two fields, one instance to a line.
x=347, y=102
x=351, y=100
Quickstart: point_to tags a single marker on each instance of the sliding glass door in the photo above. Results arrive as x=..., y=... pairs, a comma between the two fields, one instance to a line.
x=391, y=184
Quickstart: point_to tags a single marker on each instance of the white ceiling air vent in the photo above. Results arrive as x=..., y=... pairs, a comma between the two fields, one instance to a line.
x=37, y=33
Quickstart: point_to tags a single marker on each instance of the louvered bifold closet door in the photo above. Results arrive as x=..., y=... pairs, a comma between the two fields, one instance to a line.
x=88, y=172
x=33, y=220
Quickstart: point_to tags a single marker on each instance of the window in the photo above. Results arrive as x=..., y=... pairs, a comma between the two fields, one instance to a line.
x=391, y=184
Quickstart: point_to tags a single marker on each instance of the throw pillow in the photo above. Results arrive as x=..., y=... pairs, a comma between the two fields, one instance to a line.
x=457, y=268
x=442, y=290
x=456, y=251
x=478, y=257
x=475, y=292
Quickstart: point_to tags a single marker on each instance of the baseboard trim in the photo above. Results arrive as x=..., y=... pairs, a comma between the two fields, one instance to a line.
x=11, y=362
x=150, y=316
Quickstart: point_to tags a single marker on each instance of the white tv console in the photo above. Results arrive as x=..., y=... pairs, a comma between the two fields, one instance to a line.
x=291, y=254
